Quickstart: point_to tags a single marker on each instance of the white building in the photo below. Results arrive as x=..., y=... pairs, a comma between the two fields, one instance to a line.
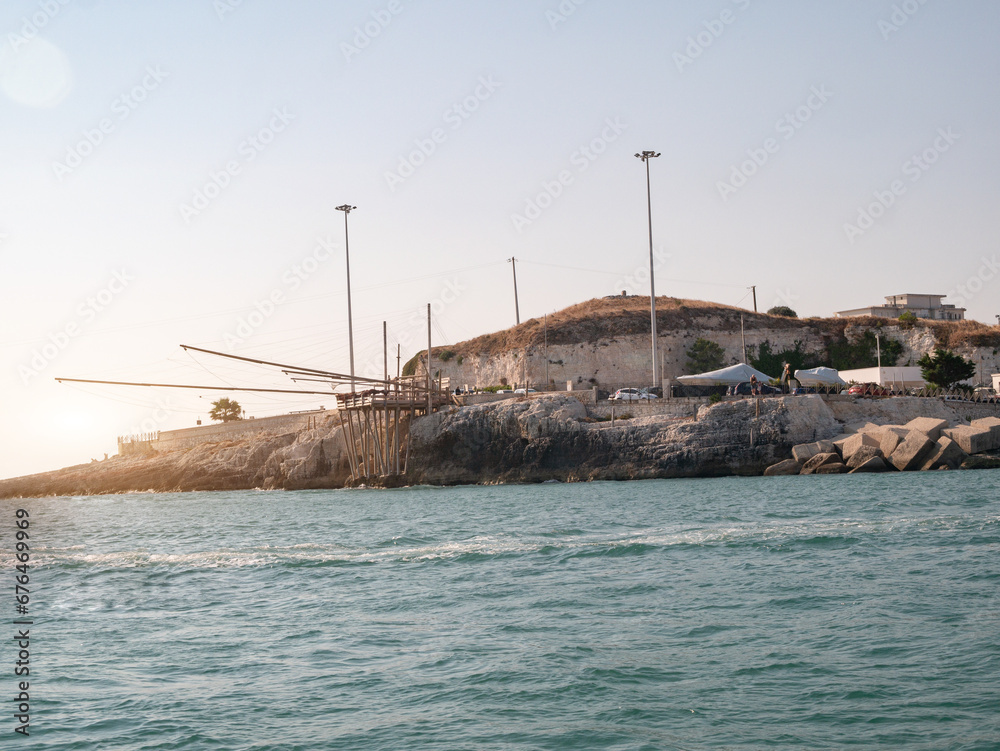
x=897, y=378
x=922, y=306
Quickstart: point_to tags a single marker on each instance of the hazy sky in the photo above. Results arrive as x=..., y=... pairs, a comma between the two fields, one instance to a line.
x=169, y=174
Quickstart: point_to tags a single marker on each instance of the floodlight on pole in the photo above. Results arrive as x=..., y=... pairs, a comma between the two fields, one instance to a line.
x=347, y=209
x=645, y=156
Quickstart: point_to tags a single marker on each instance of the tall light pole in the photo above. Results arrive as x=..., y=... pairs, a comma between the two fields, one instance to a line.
x=645, y=156
x=350, y=324
x=517, y=310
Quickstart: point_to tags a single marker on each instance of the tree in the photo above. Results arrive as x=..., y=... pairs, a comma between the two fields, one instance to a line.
x=782, y=310
x=226, y=410
x=705, y=355
x=944, y=369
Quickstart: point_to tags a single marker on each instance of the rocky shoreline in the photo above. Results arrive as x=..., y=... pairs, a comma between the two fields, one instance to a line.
x=549, y=437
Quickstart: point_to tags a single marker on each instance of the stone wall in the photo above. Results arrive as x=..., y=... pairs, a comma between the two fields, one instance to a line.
x=625, y=360
x=186, y=437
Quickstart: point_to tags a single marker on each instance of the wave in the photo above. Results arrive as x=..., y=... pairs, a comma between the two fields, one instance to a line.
x=797, y=534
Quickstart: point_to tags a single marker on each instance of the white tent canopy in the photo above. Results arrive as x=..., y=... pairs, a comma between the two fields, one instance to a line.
x=819, y=377
x=725, y=376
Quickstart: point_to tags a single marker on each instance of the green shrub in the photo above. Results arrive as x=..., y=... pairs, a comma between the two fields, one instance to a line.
x=782, y=310
x=705, y=355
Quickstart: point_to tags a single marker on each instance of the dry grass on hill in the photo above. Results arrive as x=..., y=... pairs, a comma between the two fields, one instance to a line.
x=610, y=317
x=953, y=334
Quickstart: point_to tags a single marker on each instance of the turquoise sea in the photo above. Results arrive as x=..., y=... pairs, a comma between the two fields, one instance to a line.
x=739, y=613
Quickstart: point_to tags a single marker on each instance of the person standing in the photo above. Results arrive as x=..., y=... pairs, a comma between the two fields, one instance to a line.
x=786, y=379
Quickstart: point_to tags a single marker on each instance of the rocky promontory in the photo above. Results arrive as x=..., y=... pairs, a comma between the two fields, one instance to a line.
x=544, y=437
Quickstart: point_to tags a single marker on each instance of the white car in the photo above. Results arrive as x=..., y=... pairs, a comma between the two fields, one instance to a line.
x=523, y=391
x=631, y=395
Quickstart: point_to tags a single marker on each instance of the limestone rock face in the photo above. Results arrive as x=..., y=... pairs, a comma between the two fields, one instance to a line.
x=501, y=442
x=874, y=464
x=806, y=451
x=853, y=444
x=891, y=437
x=929, y=426
x=989, y=423
x=787, y=467
x=812, y=466
x=972, y=440
x=946, y=453
x=864, y=455
x=910, y=454
x=895, y=411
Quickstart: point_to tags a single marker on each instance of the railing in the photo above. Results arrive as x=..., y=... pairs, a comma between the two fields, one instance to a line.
x=138, y=443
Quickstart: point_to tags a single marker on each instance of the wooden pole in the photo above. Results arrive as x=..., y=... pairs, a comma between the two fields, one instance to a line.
x=430, y=382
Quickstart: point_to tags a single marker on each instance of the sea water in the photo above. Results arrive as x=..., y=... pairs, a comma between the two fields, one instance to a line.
x=737, y=613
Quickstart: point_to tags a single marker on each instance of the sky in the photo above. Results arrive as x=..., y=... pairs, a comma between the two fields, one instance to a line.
x=170, y=172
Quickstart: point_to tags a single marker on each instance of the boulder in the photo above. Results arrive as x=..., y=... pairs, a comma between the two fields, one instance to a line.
x=945, y=454
x=929, y=426
x=855, y=442
x=838, y=443
x=863, y=455
x=991, y=423
x=787, y=467
x=875, y=464
x=911, y=453
x=971, y=439
x=982, y=462
x=892, y=436
x=862, y=427
x=811, y=466
x=806, y=451
x=833, y=468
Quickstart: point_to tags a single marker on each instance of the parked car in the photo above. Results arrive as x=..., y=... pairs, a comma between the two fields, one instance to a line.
x=745, y=389
x=631, y=395
x=523, y=391
x=870, y=389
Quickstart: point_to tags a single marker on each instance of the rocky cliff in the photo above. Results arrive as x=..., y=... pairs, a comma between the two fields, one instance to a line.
x=605, y=342
x=551, y=437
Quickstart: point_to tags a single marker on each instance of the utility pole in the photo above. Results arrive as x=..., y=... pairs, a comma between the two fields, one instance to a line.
x=347, y=209
x=398, y=356
x=385, y=355
x=744, y=337
x=430, y=380
x=545, y=333
x=645, y=156
x=754, y=289
x=513, y=267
